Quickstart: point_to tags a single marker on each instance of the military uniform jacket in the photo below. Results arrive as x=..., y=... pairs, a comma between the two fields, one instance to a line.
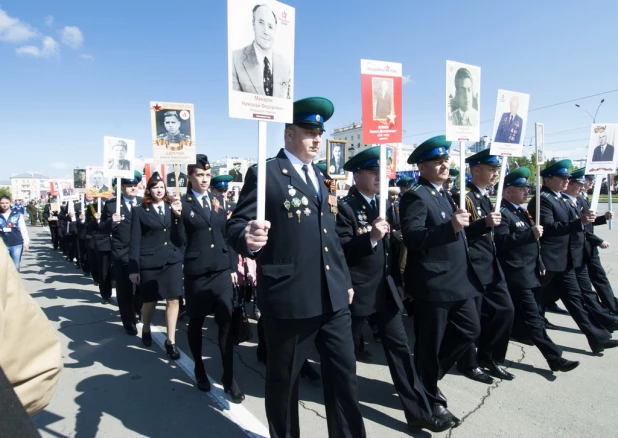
x=481, y=237
x=438, y=268
x=302, y=267
x=592, y=242
x=100, y=239
x=392, y=215
x=47, y=214
x=206, y=250
x=519, y=252
x=121, y=231
x=374, y=277
x=155, y=240
x=561, y=232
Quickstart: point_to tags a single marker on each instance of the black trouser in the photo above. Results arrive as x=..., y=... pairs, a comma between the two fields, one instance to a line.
x=289, y=343
x=129, y=299
x=104, y=262
x=444, y=331
x=53, y=231
x=496, y=312
x=591, y=299
x=357, y=333
x=93, y=263
x=601, y=284
x=529, y=323
x=82, y=254
x=70, y=245
x=401, y=365
x=226, y=346
x=564, y=285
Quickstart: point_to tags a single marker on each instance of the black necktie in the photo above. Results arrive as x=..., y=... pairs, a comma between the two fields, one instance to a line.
x=205, y=201
x=268, y=78
x=130, y=205
x=441, y=191
x=161, y=211
x=308, y=180
x=373, y=206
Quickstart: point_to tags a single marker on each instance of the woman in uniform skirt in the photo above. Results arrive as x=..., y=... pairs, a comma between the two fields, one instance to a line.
x=155, y=258
x=208, y=273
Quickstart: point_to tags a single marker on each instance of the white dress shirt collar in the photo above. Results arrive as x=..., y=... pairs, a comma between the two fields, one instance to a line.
x=260, y=54
x=200, y=197
x=298, y=166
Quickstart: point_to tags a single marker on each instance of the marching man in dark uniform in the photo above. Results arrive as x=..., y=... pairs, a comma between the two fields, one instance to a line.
x=377, y=285
x=439, y=274
x=303, y=283
x=495, y=306
x=597, y=274
x=103, y=255
x=209, y=272
x=519, y=252
x=562, y=251
x=51, y=217
x=118, y=225
x=219, y=186
x=449, y=184
x=404, y=185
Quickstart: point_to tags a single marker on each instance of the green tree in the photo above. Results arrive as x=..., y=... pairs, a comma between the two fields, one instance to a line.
x=5, y=191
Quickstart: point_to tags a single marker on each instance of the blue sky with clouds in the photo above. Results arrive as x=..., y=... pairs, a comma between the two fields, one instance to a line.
x=74, y=71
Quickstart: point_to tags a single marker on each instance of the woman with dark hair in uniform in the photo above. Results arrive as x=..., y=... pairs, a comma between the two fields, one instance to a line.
x=209, y=278
x=155, y=257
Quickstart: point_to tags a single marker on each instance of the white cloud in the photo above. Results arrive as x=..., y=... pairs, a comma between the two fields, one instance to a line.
x=86, y=57
x=48, y=49
x=405, y=80
x=59, y=165
x=14, y=30
x=49, y=20
x=72, y=36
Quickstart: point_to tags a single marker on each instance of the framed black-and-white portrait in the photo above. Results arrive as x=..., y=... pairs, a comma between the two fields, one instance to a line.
x=336, y=157
x=170, y=177
x=99, y=183
x=118, y=156
x=463, y=101
x=173, y=132
x=382, y=97
x=79, y=179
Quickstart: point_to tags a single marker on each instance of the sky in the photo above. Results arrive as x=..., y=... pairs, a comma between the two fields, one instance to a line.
x=74, y=71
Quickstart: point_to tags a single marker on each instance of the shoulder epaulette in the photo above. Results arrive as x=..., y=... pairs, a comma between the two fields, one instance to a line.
x=547, y=195
x=416, y=187
x=347, y=199
x=504, y=210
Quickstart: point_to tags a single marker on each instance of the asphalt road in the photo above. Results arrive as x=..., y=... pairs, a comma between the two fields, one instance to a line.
x=112, y=386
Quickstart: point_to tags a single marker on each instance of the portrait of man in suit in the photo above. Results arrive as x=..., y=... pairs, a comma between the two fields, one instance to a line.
x=79, y=178
x=97, y=181
x=170, y=177
x=604, y=151
x=463, y=114
x=511, y=124
x=382, y=98
x=258, y=68
x=337, y=160
x=236, y=173
x=117, y=160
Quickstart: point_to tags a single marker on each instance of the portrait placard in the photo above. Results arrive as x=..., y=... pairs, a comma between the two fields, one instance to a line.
x=510, y=123
x=79, y=180
x=382, y=103
x=539, y=140
x=150, y=168
x=173, y=132
x=601, y=150
x=66, y=187
x=463, y=101
x=54, y=188
x=336, y=157
x=118, y=157
x=237, y=169
x=98, y=183
x=261, y=60
x=391, y=161
x=170, y=178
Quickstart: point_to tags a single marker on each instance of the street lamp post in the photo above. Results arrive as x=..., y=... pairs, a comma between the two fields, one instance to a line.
x=610, y=177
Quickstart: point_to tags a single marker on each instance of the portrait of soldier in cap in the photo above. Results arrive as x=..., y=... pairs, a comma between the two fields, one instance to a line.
x=235, y=172
x=117, y=155
x=258, y=68
x=382, y=90
x=171, y=127
x=170, y=176
x=79, y=178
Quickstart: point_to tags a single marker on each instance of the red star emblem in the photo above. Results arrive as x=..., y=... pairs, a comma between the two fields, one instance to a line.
x=284, y=15
x=156, y=107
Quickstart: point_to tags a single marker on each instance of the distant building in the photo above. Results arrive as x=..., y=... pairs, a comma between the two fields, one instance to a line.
x=29, y=186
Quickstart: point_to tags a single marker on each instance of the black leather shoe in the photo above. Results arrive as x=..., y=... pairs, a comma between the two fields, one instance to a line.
x=147, y=338
x=550, y=326
x=364, y=356
x=234, y=391
x=522, y=341
x=601, y=346
x=308, y=372
x=440, y=395
x=434, y=424
x=131, y=330
x=563, y=365
x=444, y=414
x=203, y=384
x=104, y=301
x=496, y=370
x=172, y=351
x=477, y=374
x=555, y=308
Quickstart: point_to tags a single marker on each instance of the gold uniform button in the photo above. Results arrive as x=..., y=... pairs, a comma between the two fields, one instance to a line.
x=165, y=243
x=326, y=248
x=164, y=230
x=327, y=268
x=212, y=245
x=325, y=231
x=209, y=229
x=322, y=214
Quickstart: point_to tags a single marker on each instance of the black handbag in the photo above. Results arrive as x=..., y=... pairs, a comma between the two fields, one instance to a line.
x=241, y=328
